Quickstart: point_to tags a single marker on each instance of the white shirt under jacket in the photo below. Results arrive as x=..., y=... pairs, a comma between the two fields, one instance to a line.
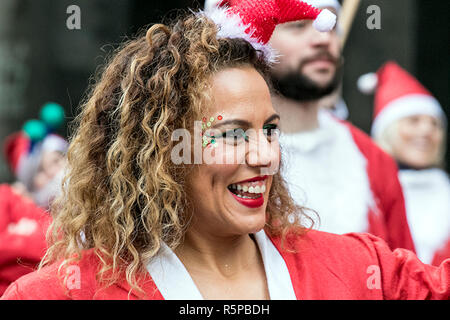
x=427, y=197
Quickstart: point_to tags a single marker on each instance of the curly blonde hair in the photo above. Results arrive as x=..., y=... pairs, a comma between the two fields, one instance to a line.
x=122, y=195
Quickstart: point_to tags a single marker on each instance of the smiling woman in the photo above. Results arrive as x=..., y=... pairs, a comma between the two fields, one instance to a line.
x=135, y=225
x=125, y=200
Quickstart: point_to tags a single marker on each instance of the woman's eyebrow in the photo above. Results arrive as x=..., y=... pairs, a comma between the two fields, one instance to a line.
x=243, y=123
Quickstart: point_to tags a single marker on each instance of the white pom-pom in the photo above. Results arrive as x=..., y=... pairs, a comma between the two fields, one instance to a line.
x=367, y=83
x=211, y=4
x=325, y=21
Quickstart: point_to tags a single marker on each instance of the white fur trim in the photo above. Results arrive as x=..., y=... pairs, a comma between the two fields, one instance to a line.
x=55, y=143
x=325, y=21
x=211, y=4
x=407, y=106
x=328, y=163
x=232, y=27
x=324, y=4
x=427, y=200
x=367, y=83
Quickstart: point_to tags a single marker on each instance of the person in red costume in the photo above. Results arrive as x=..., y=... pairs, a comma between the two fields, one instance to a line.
x=38, y=168
x=23, y=225
x=410, y=124
x=139, y=218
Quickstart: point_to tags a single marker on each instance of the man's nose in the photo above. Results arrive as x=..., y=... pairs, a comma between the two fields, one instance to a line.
x=320, y=39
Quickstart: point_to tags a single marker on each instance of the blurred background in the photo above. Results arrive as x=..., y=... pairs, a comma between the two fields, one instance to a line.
x=42, y=60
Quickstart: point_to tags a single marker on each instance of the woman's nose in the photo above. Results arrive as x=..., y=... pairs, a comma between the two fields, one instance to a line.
x=262, y=152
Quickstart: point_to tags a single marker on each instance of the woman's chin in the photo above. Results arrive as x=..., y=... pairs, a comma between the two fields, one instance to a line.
x=250, y=224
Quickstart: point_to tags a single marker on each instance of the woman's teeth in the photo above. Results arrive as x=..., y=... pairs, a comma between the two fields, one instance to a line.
x=249, y=189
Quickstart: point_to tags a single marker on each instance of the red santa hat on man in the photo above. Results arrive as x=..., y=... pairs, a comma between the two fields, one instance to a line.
x=398, y=95
x=325, y=4
x=255, y=21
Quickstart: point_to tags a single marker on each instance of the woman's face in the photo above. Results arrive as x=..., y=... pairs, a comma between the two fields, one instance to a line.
x=418, y=141
x=230, y=189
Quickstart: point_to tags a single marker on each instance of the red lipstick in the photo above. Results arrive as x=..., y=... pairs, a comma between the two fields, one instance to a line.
x=262, y=178
x=250, y=203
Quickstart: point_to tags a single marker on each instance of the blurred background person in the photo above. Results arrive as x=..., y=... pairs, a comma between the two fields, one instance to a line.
x=322, y=154
x=409, y=124
x=37, y=159
x=36, y=156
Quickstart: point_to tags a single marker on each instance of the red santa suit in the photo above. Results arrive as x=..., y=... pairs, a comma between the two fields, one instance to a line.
x=398, y=95
x=350, y=183
x=23, y=221
x=317, y=266
x=22, y=236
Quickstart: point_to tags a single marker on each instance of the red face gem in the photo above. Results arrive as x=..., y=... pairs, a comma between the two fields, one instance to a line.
x=204, y=119
x=219, y=118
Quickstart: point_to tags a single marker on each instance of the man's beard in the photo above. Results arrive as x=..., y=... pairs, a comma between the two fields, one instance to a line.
x=296, y=86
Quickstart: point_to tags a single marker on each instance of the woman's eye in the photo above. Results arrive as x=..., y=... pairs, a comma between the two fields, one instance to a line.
x=271, y=130
x=297, y=25
x=234, y=135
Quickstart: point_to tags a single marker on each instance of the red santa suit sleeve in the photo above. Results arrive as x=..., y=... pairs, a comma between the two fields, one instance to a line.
x=442, y=254
x=326, y=266
x=405, y=277
x=22, y=236
x=387, y=219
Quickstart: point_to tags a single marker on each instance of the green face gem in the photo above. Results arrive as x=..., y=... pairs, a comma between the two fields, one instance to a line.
x=213, y=141
x=211, y=119
x=208, y=124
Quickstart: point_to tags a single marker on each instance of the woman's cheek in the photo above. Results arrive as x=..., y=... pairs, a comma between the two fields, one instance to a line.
x=222, y=153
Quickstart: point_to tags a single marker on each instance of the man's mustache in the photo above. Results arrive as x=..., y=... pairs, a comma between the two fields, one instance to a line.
x=323, y=55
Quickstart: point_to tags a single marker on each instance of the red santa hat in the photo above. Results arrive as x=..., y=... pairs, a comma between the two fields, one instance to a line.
x=210, y=4
x=16, y=147
x=398, y=95
x=325, y=4
x=255, y=21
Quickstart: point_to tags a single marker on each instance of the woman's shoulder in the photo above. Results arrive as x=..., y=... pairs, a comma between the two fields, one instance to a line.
x=58, y=281
x=355, y=248
x=314, y=239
